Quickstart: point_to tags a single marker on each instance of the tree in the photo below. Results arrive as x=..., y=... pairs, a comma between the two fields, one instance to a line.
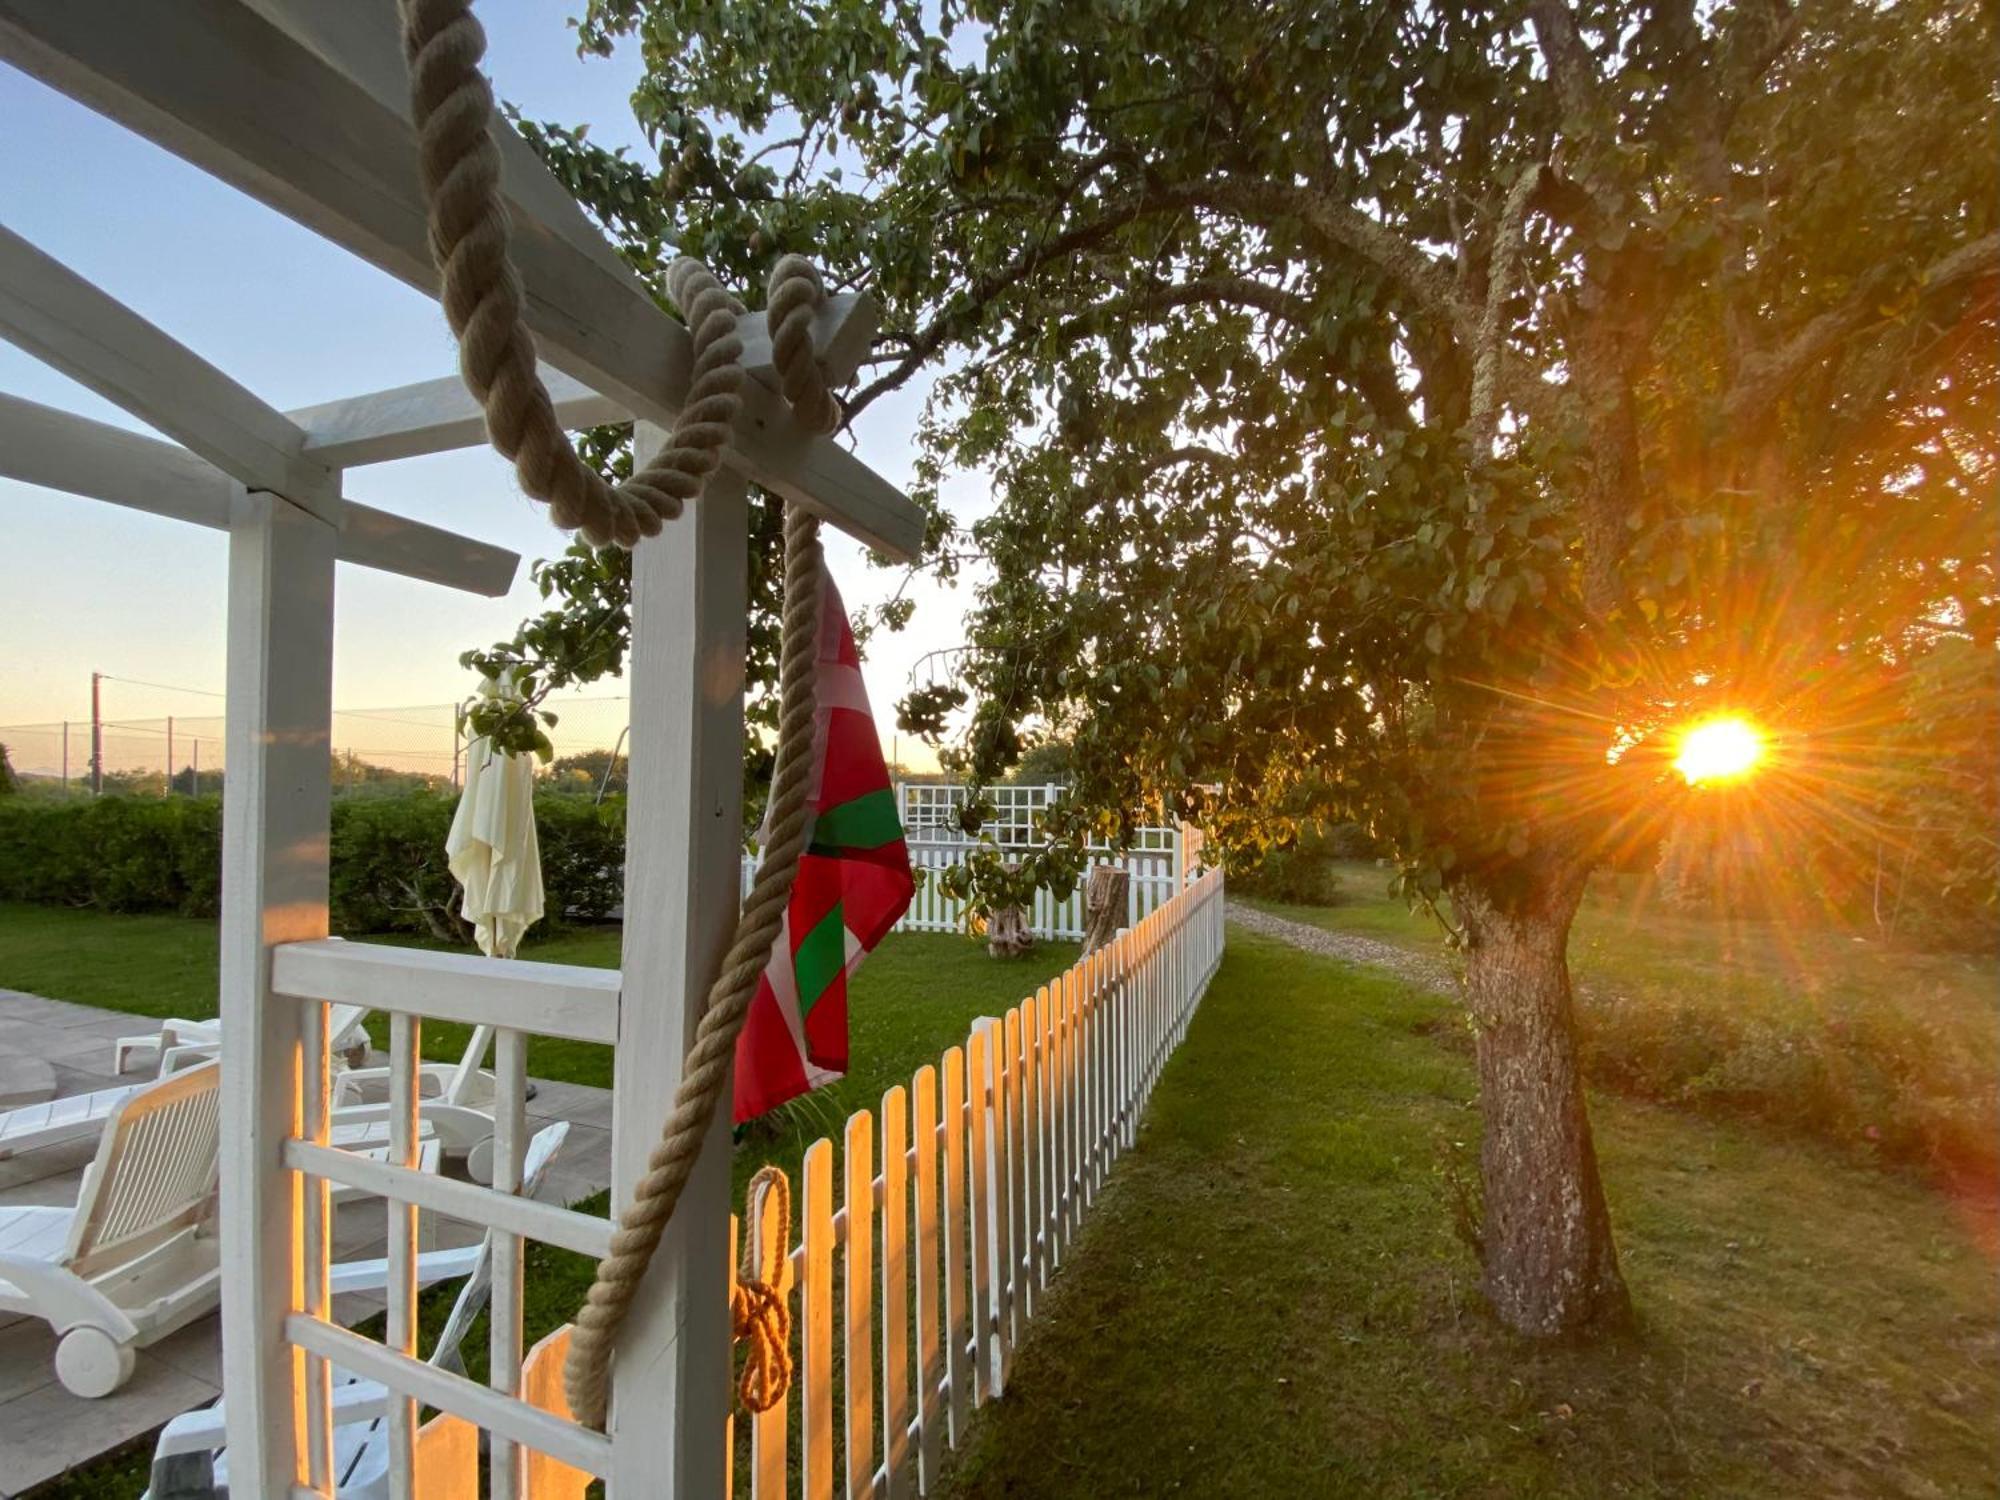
x=1043, y=764
x=592, y=771
x=1397, y=413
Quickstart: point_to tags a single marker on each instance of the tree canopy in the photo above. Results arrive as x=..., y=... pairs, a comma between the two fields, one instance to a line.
x=1405, y=414
x=1391, y=409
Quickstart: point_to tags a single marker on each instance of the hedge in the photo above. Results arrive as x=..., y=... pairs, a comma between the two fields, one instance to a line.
x=164, y=854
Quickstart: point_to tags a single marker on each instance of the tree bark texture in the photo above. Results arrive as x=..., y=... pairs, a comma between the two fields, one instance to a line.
x=1007, y=932
x=1106, y=895
x=1550, y=1265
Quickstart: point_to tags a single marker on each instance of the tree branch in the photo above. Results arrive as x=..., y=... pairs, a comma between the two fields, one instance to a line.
x=1339, y=225
x=1240, y=291
x=932, y=337
x=1765, y=376
x=1502, y=270
x=1571, y=66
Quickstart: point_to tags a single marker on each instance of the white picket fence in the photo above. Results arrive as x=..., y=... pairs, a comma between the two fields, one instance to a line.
x=959, y=1201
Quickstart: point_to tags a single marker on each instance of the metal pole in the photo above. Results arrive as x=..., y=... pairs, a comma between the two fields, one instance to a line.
x=96, y=735
x=170, y=755
x=611, y=764
x=65, y=757
x=194, y=776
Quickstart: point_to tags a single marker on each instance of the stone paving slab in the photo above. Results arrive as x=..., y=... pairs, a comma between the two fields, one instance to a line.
x=43, y=1429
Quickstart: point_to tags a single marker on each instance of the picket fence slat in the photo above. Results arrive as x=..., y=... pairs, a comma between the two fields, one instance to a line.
x=925, y=1249
x=897, y=1413
x=857, y=1320
x=988, y=1165
x=980, y=1217
x=957, y=1320
x=770, y=1429
x=816, y=1298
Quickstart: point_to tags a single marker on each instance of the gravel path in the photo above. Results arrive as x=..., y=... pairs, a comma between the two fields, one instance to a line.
x=1417, y=968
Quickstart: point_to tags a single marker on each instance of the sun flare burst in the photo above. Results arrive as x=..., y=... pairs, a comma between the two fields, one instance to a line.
x=1721, y=749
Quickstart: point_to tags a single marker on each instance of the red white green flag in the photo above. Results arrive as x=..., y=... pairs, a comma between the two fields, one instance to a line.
x=852, y=885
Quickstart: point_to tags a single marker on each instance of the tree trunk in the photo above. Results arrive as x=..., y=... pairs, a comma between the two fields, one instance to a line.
x=1106, y=895
x=1008, y=934
x=1550, y=1264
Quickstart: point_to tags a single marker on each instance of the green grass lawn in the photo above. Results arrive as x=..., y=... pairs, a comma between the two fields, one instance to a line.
x=1270, y=1299
x=1627, y=938
x=1888, y=1053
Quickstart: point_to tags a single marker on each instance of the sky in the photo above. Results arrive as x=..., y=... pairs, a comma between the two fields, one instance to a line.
x=86, y=586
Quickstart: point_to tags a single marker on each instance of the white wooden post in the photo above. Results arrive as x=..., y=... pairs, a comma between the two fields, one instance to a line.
x=684, y=835
x=276, y=805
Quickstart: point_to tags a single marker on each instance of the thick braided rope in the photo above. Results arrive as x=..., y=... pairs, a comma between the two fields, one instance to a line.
x=705, y=1071
x=758, y=1315
x=452, y=104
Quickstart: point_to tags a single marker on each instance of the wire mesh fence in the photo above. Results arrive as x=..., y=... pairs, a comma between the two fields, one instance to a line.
x=372, y=749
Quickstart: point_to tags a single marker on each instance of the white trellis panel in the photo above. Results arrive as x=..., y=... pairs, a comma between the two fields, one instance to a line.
x=1159, y=861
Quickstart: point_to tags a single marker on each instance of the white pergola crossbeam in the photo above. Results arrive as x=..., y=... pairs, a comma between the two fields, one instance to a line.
x=435, y=416
x=243, y=97
x=431, y=416
x=62, y=451
x=65, y=321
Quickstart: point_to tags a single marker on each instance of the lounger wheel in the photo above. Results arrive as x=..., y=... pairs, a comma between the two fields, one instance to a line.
x=479, y=1161
x=91, y=1363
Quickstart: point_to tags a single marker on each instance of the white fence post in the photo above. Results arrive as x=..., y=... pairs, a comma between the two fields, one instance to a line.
x=671, y=1385
x=276, y=806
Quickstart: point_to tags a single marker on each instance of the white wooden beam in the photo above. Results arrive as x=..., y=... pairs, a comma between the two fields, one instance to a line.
x=61, y=451
x=243, y=97
x=843, y=331
x=684, y=836
x=548, y=999
x=431, y=416
x=56, y=315
x=274, y=890
x=434, y=416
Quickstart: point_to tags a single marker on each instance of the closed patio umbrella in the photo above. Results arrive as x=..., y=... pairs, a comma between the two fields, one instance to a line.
x=497, y=861
x=492, y=848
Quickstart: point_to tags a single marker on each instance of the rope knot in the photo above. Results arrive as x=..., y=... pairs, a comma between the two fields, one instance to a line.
x=758, y=1314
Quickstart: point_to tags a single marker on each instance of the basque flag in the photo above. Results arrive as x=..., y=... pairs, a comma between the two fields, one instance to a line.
x=853, y=883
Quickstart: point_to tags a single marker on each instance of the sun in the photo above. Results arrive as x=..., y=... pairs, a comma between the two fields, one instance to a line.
x=1723, y=749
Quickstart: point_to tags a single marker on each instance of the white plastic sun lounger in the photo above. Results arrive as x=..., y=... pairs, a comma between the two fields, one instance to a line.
x=190, y=1463
x=36, y=1125
x=134, y=1259
x=204, y=1038
x=455, y=1100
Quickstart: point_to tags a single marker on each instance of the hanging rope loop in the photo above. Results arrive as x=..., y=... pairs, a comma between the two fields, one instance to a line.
x=452, y=106
x=758, y=1314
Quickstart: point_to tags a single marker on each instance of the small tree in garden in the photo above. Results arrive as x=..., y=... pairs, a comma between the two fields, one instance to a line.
x=9, y=784
x=1399, y=414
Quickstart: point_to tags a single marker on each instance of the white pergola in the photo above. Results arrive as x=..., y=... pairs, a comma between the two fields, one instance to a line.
x=301, y=104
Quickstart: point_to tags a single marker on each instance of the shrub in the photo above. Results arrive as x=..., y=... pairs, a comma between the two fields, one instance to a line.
x=164, y=854
x=583, y=854
x=121, y=854
x=1303, y=872
x=1882, y=1076
x=389, y=871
